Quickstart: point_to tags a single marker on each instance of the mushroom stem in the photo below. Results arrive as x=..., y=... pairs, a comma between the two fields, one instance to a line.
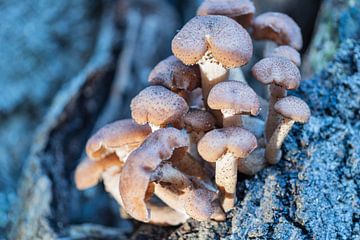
x=154, y=127
x=254, y=163
x=226, y=179
x=269, y=48
x=237, y=74
x=230, y=119
x=272, y=121
x=164, y=215
x=273, y=147
x=212, y=72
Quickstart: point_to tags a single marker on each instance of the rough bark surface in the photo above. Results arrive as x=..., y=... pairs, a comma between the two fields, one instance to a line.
x=313, y=193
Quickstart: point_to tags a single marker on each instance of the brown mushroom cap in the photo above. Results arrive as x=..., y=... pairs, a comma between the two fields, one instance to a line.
x=88, y=173
x=234, y=95
x=218, y=142
x=228, y=41
x=209, y=207
x=240, y=10
x=293, y=108
x=288, y=53
x=277, y=70
x=199, y=121
x=137, y=172
x=279, y=28
x=159, y=106
x=174, y=75
x=115, y=135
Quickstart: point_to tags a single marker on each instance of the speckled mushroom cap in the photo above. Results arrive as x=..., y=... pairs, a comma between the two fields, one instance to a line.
x=288, y=53
x=293, y=108
x=279, y=28
x=278, y=70
x=137, y=171
x=159, y=106
x=174, y=75
x=240, y=10
x=115, y=135
x=209, y=209
x=228, y=41
x=218, y=142
x=234, y=95
x=199, y=121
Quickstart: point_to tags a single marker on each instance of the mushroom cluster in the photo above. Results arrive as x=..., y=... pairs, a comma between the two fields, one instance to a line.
x=193, y=129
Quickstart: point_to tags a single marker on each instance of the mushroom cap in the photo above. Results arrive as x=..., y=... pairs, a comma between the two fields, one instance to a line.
x=174, y=75
x=288, y=53
x=228, y=41
x=279, y=28
x=234, y=95
x=240, y=10
x=159, y=106
x=293, y=108
x=199, y=121
x=203, y=205
x=88, y=173
x=115, y=135
x=218, y=142
x=136, y=174
x=277, y=70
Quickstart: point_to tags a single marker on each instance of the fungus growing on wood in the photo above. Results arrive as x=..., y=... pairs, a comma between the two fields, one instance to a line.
x=216, y=43
x=226, y=147
x=292, y=109
x=159, y=107
x=241, y=11
x=283, y=75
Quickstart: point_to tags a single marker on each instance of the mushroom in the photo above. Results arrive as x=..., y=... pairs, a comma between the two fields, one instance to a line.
x=283, y=75
x=175, y=76
x=196, y=100
x=241, y=11
x=88, y=172
x=150, y=164
x=293, y=110
x=226, y=147
x=287, y=52
x=119, y=137
x=216, y=43
x=159, y=107
x=254, y=163
x=233, y=98
x=279, y=28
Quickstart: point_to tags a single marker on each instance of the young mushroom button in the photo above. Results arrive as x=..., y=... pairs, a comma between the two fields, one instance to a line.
x=226, y=147
x=175, y=76
x=216, y=43
x=119, y=137
x=240, y=10
x=283, y=75
x=159, y=107
x=279, y=28
x=233, y=99
x=293, y=110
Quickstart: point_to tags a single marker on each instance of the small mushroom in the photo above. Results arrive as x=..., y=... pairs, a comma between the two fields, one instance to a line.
x=216, y=43
x=151, y=163
x=277, y=27
x=283, y=75
x=241, y=11
x=159, y=107
x=175, y=76
x=226, y=147
x=233, y=99
x=88, y=172
x=288, y=53
x=293, y=110
x=119, y=137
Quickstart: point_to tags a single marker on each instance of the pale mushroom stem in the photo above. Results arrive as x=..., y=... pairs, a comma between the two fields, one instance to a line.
x=273, y=148
x=212, y=73
x=269, y=48
x=226, y=179
x=230, y=119
x=272, y=121
x=164, y=215
x=154, y=127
